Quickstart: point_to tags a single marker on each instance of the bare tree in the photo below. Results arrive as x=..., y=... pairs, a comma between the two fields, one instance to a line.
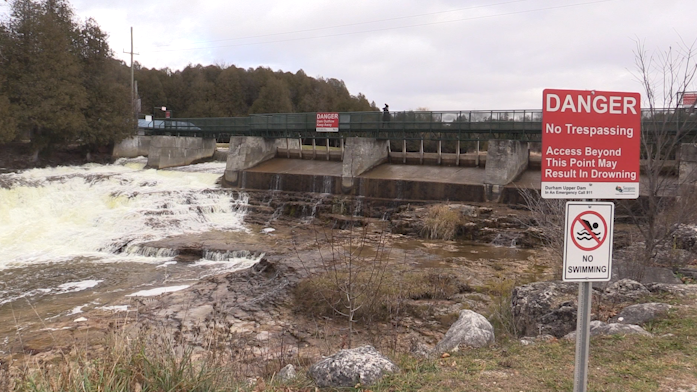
x=667, y=200
x=546, y=221
x=353, y=264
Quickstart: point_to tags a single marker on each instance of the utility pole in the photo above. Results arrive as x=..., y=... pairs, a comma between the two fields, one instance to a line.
x=133, y=101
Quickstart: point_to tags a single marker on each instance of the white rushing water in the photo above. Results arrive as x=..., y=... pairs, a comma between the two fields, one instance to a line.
x=103, y=212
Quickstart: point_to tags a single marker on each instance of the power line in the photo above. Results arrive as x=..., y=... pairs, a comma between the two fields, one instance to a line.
x=367, y=22
x=383, y=29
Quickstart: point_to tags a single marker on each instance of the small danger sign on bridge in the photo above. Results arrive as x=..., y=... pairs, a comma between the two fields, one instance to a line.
x=588, y=241
x=327, y=122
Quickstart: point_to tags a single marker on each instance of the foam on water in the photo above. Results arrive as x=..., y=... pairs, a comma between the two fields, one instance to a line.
x=104, y=212
x=157, y=291
x=65, y=288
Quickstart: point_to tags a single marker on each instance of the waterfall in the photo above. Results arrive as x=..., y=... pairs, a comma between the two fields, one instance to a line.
x=506, y=240
x=276, y=185
x=103, y=212
x=149, y=251
x=327, y=184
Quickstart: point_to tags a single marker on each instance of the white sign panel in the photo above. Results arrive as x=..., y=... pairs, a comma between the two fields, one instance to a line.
x=588, y=241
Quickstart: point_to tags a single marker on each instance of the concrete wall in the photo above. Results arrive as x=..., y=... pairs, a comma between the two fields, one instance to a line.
x=171, y=151
x=506, y=160
x=248, y=151
x=360, y=155
x=137, y=146
x=688, y=164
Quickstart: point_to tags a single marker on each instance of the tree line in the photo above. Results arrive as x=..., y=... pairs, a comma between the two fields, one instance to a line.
x=61, y=84
x=229, y=91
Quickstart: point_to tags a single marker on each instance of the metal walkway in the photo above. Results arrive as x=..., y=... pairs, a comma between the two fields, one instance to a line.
x=525, y=125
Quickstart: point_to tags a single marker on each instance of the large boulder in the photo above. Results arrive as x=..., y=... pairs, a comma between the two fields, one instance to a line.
x=364, y=365
x=545, y=308
x=600, y=328
x=625, y=290
x=640, y=313
x=680, y=290
x=470, y=330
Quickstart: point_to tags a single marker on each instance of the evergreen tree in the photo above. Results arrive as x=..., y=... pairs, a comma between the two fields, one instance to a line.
x=8, y=125
x=108, y=111
x=273, y=98
x=44, y=73
x=228, y=93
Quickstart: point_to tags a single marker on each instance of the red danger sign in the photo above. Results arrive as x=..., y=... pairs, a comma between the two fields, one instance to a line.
x=590, y=144
x=327, y=122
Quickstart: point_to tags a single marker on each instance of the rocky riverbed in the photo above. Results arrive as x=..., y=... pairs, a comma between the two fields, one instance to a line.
x=257, y=314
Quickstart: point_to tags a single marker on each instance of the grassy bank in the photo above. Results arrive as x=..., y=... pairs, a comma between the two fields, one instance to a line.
x=154, y=361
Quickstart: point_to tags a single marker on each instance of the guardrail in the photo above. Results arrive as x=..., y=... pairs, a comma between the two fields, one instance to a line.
x=472, y=125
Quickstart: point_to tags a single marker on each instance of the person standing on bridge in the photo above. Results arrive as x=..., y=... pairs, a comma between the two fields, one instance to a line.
x=386, y=116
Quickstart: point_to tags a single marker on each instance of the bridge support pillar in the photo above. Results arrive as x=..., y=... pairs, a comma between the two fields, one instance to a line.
x=505, y=160
x=360, y=155
x=249, y=151
x=688, y=164
x=171, y=151
x=136, y=146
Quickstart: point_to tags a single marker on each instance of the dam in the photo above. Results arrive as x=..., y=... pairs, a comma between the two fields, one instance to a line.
x=471, y=156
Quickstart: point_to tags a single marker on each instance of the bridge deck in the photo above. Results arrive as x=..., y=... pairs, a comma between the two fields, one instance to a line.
x=446, y=126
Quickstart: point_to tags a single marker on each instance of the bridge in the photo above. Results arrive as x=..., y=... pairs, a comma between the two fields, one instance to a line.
x=409, y=125
x=453, y=155
x=467, y=125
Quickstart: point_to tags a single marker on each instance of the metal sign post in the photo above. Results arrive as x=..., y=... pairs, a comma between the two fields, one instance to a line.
x=587, y=258
x=583, y=336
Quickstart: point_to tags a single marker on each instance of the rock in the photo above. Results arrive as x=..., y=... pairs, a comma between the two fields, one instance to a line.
x=364, y=365
x=601, y=328
x=239, y=302
x=674, y=289
x=690, y=273
x=287, y=373
x=545, y=308
x=559, y=321
x=640, y=313
x=420, y=349
x=471, y=330
x=528, y=340
x=685, y=237
x=625, y=290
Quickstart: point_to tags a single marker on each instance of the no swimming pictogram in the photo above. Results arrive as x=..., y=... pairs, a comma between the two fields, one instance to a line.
x=588, y=241
x=588, y=230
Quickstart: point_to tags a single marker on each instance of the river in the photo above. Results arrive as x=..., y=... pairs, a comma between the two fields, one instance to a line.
x=71, y=237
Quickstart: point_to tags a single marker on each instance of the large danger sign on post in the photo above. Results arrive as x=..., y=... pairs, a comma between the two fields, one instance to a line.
x=588, y=241
x=590, y=144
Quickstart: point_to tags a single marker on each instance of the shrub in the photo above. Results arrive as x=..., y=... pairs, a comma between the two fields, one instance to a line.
x=441, y=222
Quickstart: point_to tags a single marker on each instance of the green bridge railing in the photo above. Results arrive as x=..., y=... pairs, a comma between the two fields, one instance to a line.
x=472, y=125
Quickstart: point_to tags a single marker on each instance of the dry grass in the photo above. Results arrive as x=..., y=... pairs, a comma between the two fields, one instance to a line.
x=128, y=361
x=317, y=296
x=441, y=222
x=155, y=361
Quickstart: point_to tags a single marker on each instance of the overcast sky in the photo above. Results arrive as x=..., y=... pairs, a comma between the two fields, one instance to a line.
x=436, y=54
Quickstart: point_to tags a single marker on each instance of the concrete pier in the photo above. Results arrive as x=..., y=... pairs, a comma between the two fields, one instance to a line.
x=506, y=160
x=132, y=147
x=360, y=155
x=248, y=151
x=688, y=164
x=171, y=151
